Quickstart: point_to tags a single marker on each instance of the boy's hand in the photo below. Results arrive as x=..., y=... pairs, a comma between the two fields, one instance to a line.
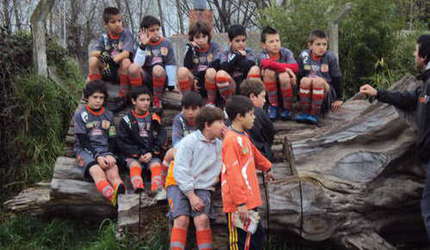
x=195, y=45
x=368, y=90
x=102, y=162
x=145, y=158
x=242, y=52
x=268, y=176
x=335, y=106
x=143, y=37
x=195, y=202
x=111, y=161
x=292, y=75
x=243, y=212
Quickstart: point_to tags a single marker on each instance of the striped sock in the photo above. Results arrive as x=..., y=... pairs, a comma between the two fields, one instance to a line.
x=204, y=239
x=178, y=238
x=105, y=189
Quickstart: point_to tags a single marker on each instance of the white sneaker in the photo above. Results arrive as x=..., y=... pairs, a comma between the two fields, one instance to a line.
x=161, y=195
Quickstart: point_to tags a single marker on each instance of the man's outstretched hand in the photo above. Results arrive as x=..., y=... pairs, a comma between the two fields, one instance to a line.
x=368, y=90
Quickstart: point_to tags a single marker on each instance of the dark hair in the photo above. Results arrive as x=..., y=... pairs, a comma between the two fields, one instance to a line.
x=148, y=21
x=238, y=105
x=236, y=30
x=267, y=31
x=424, y=47
x=251, y=86
x=197, y=28
x=108, y=12
x=136, y=92
x=316, y=34
x=95, y=86
x=191, y=99
x=208, y=114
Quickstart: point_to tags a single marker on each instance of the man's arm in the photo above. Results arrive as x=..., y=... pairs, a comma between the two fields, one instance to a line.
x=403, y=100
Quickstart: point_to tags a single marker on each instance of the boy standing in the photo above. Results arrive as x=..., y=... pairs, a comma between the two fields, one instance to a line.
x=154, y=60
x=110, y=58
x=140, y=137
x=239, y=183
x=93, y=131
x=197, y=168
x=321, y=83
x=262, y=132
x=418, y=101
x=235, y=65
x=278, y=67
x=198, y=72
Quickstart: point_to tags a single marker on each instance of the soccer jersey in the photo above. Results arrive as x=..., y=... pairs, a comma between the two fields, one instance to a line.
x=115, y=45
x=285, y=56
x=326, y=66
x=180, y=128
x=158, y=53
x=239, y=183
x=199, y=60
x=236, y=64
x=97, y=126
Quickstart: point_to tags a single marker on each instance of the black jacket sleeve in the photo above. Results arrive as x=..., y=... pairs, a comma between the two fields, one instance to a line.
x=188, y=58
x=84, y=143
x=402, y=100
x=245, y=64
x=338, y=87
x=159, y=135
x=231, y=62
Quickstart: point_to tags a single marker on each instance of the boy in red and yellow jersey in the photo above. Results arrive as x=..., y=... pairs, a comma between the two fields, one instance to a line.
x=239, y=183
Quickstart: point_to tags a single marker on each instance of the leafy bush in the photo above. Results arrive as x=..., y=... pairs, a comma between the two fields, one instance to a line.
x=371, y=46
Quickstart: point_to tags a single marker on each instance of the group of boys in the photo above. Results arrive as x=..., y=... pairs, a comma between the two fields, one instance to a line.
x=203, y=149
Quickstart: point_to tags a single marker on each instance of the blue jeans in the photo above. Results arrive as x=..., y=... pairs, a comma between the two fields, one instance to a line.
x=425, y=201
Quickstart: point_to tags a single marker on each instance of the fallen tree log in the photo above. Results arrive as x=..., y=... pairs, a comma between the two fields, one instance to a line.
x=354, y=181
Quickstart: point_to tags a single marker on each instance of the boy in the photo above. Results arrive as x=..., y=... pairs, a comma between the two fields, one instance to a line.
x=418, y=101
x=239, y=183
x=140, y=137
x=197, y=168
x=278, y=67
x=154, y=60
x=262, y=132
x=198, y=72
x=236, y=64
x=110, y=58
x=93, y=130
x=321, y=85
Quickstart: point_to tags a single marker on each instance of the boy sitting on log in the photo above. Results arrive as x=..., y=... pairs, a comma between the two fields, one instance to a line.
x=94, y=129
x=140, y=140
x=197, y=168
x=320, y=85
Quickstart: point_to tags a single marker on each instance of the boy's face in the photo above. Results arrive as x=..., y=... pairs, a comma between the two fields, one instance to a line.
x=258, y=100
x=272, y=43
x=319, y=46
x=247, y=121
x=142, y=103
x=419, y=61
x=238, y=43
x=190, y=113
x=153, y=32
x=201, y=40
x=114, y=25
x=96, y=100
x=216, y=129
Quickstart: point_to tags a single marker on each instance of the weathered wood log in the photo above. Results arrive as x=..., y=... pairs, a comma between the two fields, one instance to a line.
x=354, y=181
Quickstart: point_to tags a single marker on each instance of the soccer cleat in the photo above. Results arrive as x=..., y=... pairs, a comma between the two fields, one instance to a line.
x=300, y=117
x=285, y=114
x=313, y=119
x=272, y=111
x=307, y=118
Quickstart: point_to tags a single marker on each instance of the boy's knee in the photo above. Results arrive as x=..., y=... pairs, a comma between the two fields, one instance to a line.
x=134, y=69
x=284, y=77
x=222, y=74
x=181, y=222
x=269, y=74
x=96, y=172
x=319, y=83
x=305, y=82
x=183, y=73
x=158, y=71
x=202, y=221
x=210, y=74
x=93, y=61
x=254, y=70
x=125, y=63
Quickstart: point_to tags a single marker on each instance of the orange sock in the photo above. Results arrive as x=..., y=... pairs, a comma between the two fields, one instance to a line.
x=156, y=171
x=93, y=77
x=135, y=81
x=105, y=188
x=136, y=177
x=204, y=239
x=178, y=238
x=255, y=76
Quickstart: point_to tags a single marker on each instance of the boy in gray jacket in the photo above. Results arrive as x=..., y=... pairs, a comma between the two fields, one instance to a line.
x=196, y=171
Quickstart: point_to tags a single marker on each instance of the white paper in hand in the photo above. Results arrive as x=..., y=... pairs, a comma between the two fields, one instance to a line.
x=250, y=225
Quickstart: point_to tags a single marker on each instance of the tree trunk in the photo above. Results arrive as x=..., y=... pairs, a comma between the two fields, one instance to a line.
x=353, y=181
x=160, y=11
x=38, y=19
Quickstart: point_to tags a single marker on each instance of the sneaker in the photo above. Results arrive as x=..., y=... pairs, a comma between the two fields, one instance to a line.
x=161, y=194
x=300, y=117
x=285, y=114
x=313, y=119
x=272, y=111
x=120, y=189
x=307, y=118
